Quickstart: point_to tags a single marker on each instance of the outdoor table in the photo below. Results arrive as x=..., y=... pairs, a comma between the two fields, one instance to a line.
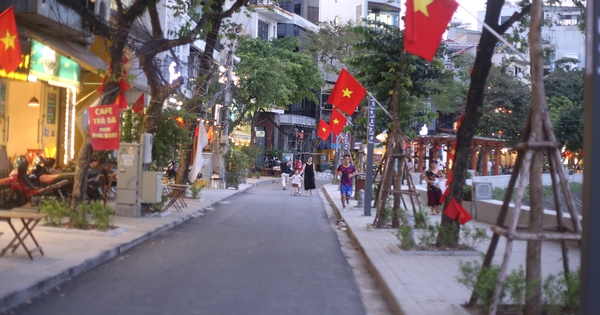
x=29, y=220
x=175, y=193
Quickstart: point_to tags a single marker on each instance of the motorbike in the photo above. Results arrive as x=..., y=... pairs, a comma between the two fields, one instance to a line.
x=272, y=162
x=170, y=172
x=40, y=176
x=16, y=190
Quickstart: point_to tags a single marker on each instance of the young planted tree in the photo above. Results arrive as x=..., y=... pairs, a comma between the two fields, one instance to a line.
x=474, y=109
x=398, y=80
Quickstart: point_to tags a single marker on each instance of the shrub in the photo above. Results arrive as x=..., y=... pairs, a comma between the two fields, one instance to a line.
x=56, y=211
x=560, y=293
x=100, y=214
x=467, y=193
x=79, y=218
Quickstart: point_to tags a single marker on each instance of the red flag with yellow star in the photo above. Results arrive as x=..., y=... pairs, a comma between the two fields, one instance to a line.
x=10, y=48
x=347, y=93
x=324, y=130
x=337, y=122
x=179, y=120
x=425, y=23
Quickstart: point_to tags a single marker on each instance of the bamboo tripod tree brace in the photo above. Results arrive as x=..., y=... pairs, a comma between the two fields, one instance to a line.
x=538, y=137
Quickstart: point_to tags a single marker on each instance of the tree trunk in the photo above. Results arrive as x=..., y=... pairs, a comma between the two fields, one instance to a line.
x=474, y=107
x=205, y=77
x=533, y=276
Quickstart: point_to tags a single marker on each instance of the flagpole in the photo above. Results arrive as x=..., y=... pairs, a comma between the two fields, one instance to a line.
x=500, y=38
x=381, y=106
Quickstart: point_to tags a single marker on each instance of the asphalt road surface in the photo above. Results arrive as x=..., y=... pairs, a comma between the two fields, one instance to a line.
x=260, y=252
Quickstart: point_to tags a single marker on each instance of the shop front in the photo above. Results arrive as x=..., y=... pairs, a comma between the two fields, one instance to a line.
x=37, y=107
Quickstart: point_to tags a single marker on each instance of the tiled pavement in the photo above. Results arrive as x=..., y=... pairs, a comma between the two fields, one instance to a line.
x=412, y=284
x=415, y=283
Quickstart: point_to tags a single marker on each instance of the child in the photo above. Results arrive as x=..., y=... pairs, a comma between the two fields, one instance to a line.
x=296, y=180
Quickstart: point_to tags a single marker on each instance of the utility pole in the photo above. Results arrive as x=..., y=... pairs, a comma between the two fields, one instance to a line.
x=590, y=244
x=227, y=101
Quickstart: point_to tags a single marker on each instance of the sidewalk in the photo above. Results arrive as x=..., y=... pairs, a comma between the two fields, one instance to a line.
x=411, y=283
x=416, y=283
x=69, y=254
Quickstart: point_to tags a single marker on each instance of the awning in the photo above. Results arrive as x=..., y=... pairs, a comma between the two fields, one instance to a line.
x=77, y=52
x=238, y=134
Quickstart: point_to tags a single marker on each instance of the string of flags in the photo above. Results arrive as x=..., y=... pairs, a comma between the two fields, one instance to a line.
x=347, y=93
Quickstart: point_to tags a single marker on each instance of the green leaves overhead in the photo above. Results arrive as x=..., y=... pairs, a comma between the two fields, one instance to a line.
x=379, y=59
x=274, y=73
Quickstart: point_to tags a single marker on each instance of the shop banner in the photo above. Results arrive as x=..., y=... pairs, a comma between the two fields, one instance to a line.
x=104, y=127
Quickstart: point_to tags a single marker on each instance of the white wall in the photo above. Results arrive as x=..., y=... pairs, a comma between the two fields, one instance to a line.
x=344, y=9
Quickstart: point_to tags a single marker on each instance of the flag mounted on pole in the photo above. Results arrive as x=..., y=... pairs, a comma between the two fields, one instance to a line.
x=10, y=47
x=337, y=122
x=324, y=130
x=138, y=106
x=425, y=23
x=347, y=93
x=201, y=142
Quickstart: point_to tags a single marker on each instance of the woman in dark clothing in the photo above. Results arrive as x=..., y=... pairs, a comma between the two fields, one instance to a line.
x=309, y=176
x=434, y=192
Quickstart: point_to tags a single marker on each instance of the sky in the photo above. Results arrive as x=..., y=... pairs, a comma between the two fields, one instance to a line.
x=473, y=6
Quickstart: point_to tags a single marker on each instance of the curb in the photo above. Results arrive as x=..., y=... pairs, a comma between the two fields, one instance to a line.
x=16, y=298
x=385, y=289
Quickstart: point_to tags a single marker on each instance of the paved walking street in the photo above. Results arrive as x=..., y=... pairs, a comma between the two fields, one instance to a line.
x=412, y=283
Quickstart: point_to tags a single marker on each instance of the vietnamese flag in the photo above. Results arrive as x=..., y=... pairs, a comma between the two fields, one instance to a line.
x=324, y=130
x=10, y=47
x=347, y=93
x=425, y=23
x=337, y=122
x=138, y=106
x=179, y=120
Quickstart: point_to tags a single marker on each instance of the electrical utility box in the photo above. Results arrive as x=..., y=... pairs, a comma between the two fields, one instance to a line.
x=207, y=166
x=128, y=175
x=151, y=187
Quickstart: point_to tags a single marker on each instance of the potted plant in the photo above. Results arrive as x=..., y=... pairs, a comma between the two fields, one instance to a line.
x=197, y=187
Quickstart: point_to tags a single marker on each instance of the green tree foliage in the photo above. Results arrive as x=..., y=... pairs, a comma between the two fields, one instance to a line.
x=170, y=137
x=333, y=44
x=565, y=83
x=273, y=73
x=379, y=60
x=567, y=121
x=453, y=85
x=565, y=92
x=506, y=105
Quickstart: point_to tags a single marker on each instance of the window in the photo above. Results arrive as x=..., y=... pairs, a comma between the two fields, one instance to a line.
x=263, y=30
x=298, y=8
x=359, y=14
x=313, y=14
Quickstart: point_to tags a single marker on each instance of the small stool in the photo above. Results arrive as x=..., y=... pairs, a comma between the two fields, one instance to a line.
x=215, y=182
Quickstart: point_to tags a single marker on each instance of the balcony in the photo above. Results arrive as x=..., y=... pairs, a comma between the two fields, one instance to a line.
x=297, y=120
x=271, y=9
x=48, y=16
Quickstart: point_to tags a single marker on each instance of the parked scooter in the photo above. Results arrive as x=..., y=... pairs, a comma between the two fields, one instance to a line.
x=40, y=176
x=16, y=190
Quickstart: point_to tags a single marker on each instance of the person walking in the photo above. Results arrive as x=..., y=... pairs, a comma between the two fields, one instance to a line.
x=286, y=171
x=348, y=171
x=309, y=176
x=434, y=193
x=296, y=182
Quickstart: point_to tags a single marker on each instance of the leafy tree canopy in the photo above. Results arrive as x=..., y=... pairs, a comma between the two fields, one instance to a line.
x=378, y=60
x=506, y=105
x=274, y=73
x=565, y=83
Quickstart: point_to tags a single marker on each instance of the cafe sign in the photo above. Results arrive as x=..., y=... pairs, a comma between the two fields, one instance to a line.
x=48, y=65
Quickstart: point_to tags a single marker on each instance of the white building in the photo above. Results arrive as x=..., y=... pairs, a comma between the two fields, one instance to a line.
x=560, y=33
x=356, y=10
